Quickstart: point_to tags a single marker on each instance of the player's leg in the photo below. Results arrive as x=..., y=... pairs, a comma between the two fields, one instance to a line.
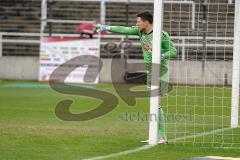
x=162, y=126
x=163, y=91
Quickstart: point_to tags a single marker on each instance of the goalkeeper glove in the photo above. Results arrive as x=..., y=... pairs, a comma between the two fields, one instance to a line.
x=100, y=28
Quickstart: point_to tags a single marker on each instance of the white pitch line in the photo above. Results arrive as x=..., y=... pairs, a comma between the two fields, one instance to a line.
x=145, y=147
x=200, y=134
x=122, y=153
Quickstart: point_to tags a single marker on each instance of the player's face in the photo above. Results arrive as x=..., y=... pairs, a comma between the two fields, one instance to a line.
x=142, y=25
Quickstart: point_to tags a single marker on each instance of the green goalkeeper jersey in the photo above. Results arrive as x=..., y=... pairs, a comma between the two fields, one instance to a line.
x=168, y=50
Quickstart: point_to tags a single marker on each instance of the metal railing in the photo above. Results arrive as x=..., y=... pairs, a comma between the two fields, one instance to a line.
x=182, y=44
x=44, y=19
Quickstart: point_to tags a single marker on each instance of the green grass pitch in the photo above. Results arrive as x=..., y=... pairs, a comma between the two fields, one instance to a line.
x=29, y=128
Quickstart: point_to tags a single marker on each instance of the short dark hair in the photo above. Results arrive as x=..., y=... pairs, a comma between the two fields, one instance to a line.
x=146, y=16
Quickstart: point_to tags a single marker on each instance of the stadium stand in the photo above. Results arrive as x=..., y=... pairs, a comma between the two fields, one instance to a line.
x=25, y=17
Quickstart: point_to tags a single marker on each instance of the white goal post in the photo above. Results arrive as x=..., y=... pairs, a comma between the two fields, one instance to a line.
x=236, y=67
x=154, y=100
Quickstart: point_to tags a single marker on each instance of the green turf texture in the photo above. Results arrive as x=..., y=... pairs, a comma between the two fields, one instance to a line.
x=29, y=128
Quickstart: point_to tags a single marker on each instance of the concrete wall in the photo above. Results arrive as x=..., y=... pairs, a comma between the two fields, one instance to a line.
x=190, y=72
x=19, y=68
x=112, y=69
x=187, y=72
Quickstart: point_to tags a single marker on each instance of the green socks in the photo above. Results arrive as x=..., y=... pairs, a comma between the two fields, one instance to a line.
x=161, y=124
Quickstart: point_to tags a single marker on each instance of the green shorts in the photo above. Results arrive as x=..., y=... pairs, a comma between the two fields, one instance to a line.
x=163, y=81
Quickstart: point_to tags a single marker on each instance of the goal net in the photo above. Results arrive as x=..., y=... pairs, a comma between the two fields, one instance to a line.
x=199, y=109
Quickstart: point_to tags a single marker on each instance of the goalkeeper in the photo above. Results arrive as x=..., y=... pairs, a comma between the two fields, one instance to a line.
x=144, y=29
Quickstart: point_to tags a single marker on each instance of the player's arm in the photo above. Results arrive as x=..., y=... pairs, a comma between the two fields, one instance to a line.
x=169, y=49
x=119, y=29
